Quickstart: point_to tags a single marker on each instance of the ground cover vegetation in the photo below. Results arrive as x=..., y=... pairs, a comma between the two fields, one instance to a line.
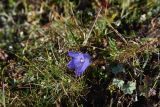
x=79, y=53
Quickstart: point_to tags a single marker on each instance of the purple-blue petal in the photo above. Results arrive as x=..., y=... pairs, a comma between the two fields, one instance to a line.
x=87, y=56
x=73, y=54
x=79, y=71
x=71, y=65
x=79, y=62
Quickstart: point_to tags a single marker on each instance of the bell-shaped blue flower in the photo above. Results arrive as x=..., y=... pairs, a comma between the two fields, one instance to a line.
x=79, y=62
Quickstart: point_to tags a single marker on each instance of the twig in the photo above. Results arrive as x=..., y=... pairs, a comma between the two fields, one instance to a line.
x=89, y=34
x=64, y=90
x=118, y=34
x=156, y=80
x=111, y=102
x=3, y=94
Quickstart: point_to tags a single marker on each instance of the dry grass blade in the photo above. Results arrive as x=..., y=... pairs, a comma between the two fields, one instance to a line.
x=94, y=23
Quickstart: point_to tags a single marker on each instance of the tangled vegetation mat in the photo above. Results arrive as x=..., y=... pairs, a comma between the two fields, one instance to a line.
x=80, y=53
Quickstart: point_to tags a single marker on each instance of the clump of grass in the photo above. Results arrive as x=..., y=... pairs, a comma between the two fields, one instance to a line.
x=37, y=74
x=133, y=49
x=41, y=81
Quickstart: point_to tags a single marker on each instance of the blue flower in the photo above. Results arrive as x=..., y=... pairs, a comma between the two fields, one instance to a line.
x=79, y=62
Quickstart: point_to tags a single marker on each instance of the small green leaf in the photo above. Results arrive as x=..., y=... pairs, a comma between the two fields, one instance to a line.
x=118, y=68
x=126, y=88
x=129, y=87
x=118, y=83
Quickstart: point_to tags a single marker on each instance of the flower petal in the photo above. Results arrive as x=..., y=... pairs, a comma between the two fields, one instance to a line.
x=87, y=56
x=79, y=71
x=73, y=54
x=71, y=65
x=79, y=62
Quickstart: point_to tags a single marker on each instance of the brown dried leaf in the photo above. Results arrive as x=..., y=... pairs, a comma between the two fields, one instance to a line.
x=3, y=55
